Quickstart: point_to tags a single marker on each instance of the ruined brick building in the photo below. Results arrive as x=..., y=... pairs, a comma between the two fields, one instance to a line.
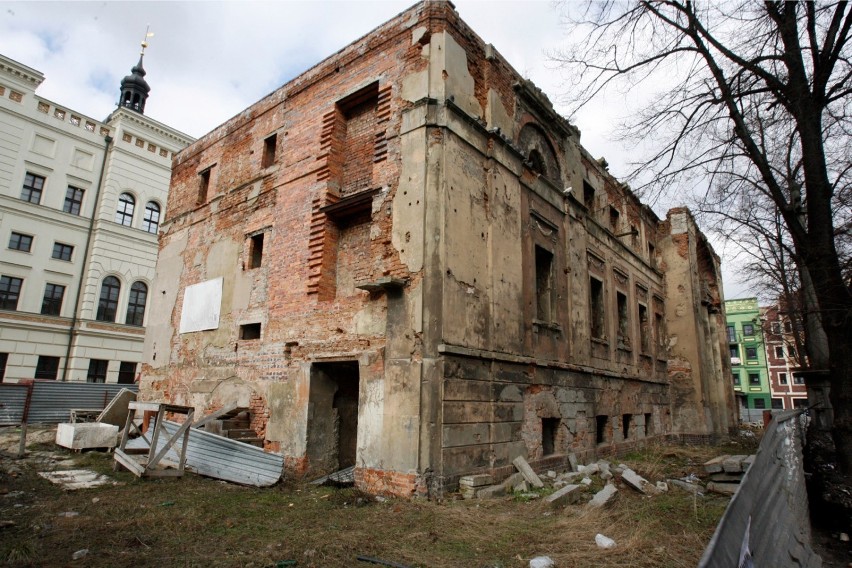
x=404, y=260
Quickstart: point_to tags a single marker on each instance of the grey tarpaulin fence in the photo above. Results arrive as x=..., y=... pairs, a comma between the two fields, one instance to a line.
x=767, y=523
x=51, y=402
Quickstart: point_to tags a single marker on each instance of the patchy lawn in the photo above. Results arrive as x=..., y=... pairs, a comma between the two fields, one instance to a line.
x=196, y=521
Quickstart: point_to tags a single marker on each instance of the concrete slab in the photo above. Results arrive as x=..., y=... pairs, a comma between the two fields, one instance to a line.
x=715, y=465
x=734, y=464
x=572, y=460
x=528, y=473
x=603, y=496
x=86, y=435
x=73, y=479
x=723, y=488
x=478, y=480
x=686, y=486
x=565, y=496
x=637, y=482
x=116, y=411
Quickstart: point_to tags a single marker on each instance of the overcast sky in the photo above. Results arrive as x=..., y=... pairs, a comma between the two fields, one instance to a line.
x=207, y=61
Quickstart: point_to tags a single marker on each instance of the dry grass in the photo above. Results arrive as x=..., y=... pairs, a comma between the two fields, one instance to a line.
x=202, y=522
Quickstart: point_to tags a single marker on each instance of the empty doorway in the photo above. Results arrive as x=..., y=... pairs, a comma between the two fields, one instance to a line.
x=333, y=416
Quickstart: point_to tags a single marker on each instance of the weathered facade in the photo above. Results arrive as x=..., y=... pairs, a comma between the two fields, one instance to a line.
x=404, y=260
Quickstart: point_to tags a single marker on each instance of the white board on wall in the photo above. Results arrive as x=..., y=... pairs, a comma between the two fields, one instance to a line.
x=202, y=303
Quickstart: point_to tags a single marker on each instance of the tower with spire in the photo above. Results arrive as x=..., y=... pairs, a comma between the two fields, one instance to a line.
x=134, y=87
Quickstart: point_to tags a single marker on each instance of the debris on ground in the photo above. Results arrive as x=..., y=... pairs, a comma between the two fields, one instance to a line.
x=542, y=562
x=73, y=479
x=604, y=541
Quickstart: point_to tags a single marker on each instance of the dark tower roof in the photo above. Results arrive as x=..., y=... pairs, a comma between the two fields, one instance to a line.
x=135, y=89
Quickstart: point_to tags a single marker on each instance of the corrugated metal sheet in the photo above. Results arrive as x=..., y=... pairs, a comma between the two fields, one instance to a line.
x=767, y=518
x=12, y=400
x=52, y=401
x=215, y=456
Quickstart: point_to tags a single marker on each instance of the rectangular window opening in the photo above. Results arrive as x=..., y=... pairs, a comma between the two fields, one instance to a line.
x=73, y=200
x=782, y=378
x=625, y=426
x=33, y=186
x=97, y=371
x=256, y=251
x=751, y=353
x=760, y=403
x=798, y=379
x=47, y=367
x=601, y=422
x=777, y=404
x=659, y=331
x=736, y=378
x=51, y=304
x=21, y=242
x=596, y=307
x=613, y=218
x=10, y=291
x=269, y=151
x=644, y=332
x=623, y=324
x=748, y=329
x=649, y=424
x=127, y=373
x=250, y=331
x=549, y=429
x=544, y=284
x=4, y=357
x=754, y=379
x=652, y=254
x=588, y=196
x=203, y=186
x=732, y=334
x=62, y=251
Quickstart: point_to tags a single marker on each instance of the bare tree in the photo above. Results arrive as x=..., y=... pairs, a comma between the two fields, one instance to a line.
x=759, y=90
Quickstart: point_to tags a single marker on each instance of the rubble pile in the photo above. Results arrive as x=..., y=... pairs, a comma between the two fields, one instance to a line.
x=575, y=485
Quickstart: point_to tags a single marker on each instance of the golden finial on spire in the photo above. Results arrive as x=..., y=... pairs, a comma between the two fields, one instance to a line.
x=148, y=34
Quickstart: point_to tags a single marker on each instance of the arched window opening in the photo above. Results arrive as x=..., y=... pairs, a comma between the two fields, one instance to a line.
x=151, y=221
x=108, y=302
x=136, y=304
x=124, y=213
x=536, y=163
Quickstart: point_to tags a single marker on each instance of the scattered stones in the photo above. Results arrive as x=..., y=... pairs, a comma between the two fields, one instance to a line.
x=80, y=554
x=469, y=484
x=733, y=464
x=723, y=488
x=603, y=496
x=686, y=486
x=521, y=487
x=551, y=474
x=69, y=514
x=542, y=562
x=662, y=486
x=715, y=465
x=72, y=479
x=604, y=541
x=586, y=481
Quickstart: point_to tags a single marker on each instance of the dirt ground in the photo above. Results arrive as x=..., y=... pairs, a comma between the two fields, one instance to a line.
x=195, y=521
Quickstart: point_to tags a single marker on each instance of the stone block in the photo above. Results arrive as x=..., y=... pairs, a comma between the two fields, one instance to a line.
x=478, y=480
x=637, y=482
x=521, y=487
x=116, y=411
x=686, y=486
x=723, y=488
x=715, y=465
x=734, y=464
x=492, y=491
x=603, y=496
x=86, y=435
x=565, y=496
x=528, y=473
x=572, y=459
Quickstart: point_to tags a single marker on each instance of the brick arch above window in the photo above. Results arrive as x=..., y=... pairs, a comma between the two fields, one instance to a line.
x=539, y=152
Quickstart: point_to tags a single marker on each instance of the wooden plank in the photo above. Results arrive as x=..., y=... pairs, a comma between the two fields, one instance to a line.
x=132, y=465
x=184, y=429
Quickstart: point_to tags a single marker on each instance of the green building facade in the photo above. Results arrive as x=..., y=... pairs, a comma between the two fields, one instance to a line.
x=748, y=357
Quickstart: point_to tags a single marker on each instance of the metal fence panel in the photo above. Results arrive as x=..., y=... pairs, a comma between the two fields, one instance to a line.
x=767, y=518
x=52, y=401
x=13, y=397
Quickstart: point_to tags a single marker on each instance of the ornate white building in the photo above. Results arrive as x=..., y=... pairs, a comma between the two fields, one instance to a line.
x=80, y=205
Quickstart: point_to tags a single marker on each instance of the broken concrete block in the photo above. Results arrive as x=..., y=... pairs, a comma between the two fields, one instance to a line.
x=723, y=488
x=686, y=486
x=586, y=481
x=572, y=460
x=86, y=435
x=521, y=487
x=565, y=496
x=603, y=496
x=492, y=491
x=559, y=484
x=662, y=486
x=528, y=473
x=592, y=469
x=479, y=480
x=606, y=475
x=551, y=474
x=637, y=482
x=734, y=464
x=715, y=465
x=604, y=541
